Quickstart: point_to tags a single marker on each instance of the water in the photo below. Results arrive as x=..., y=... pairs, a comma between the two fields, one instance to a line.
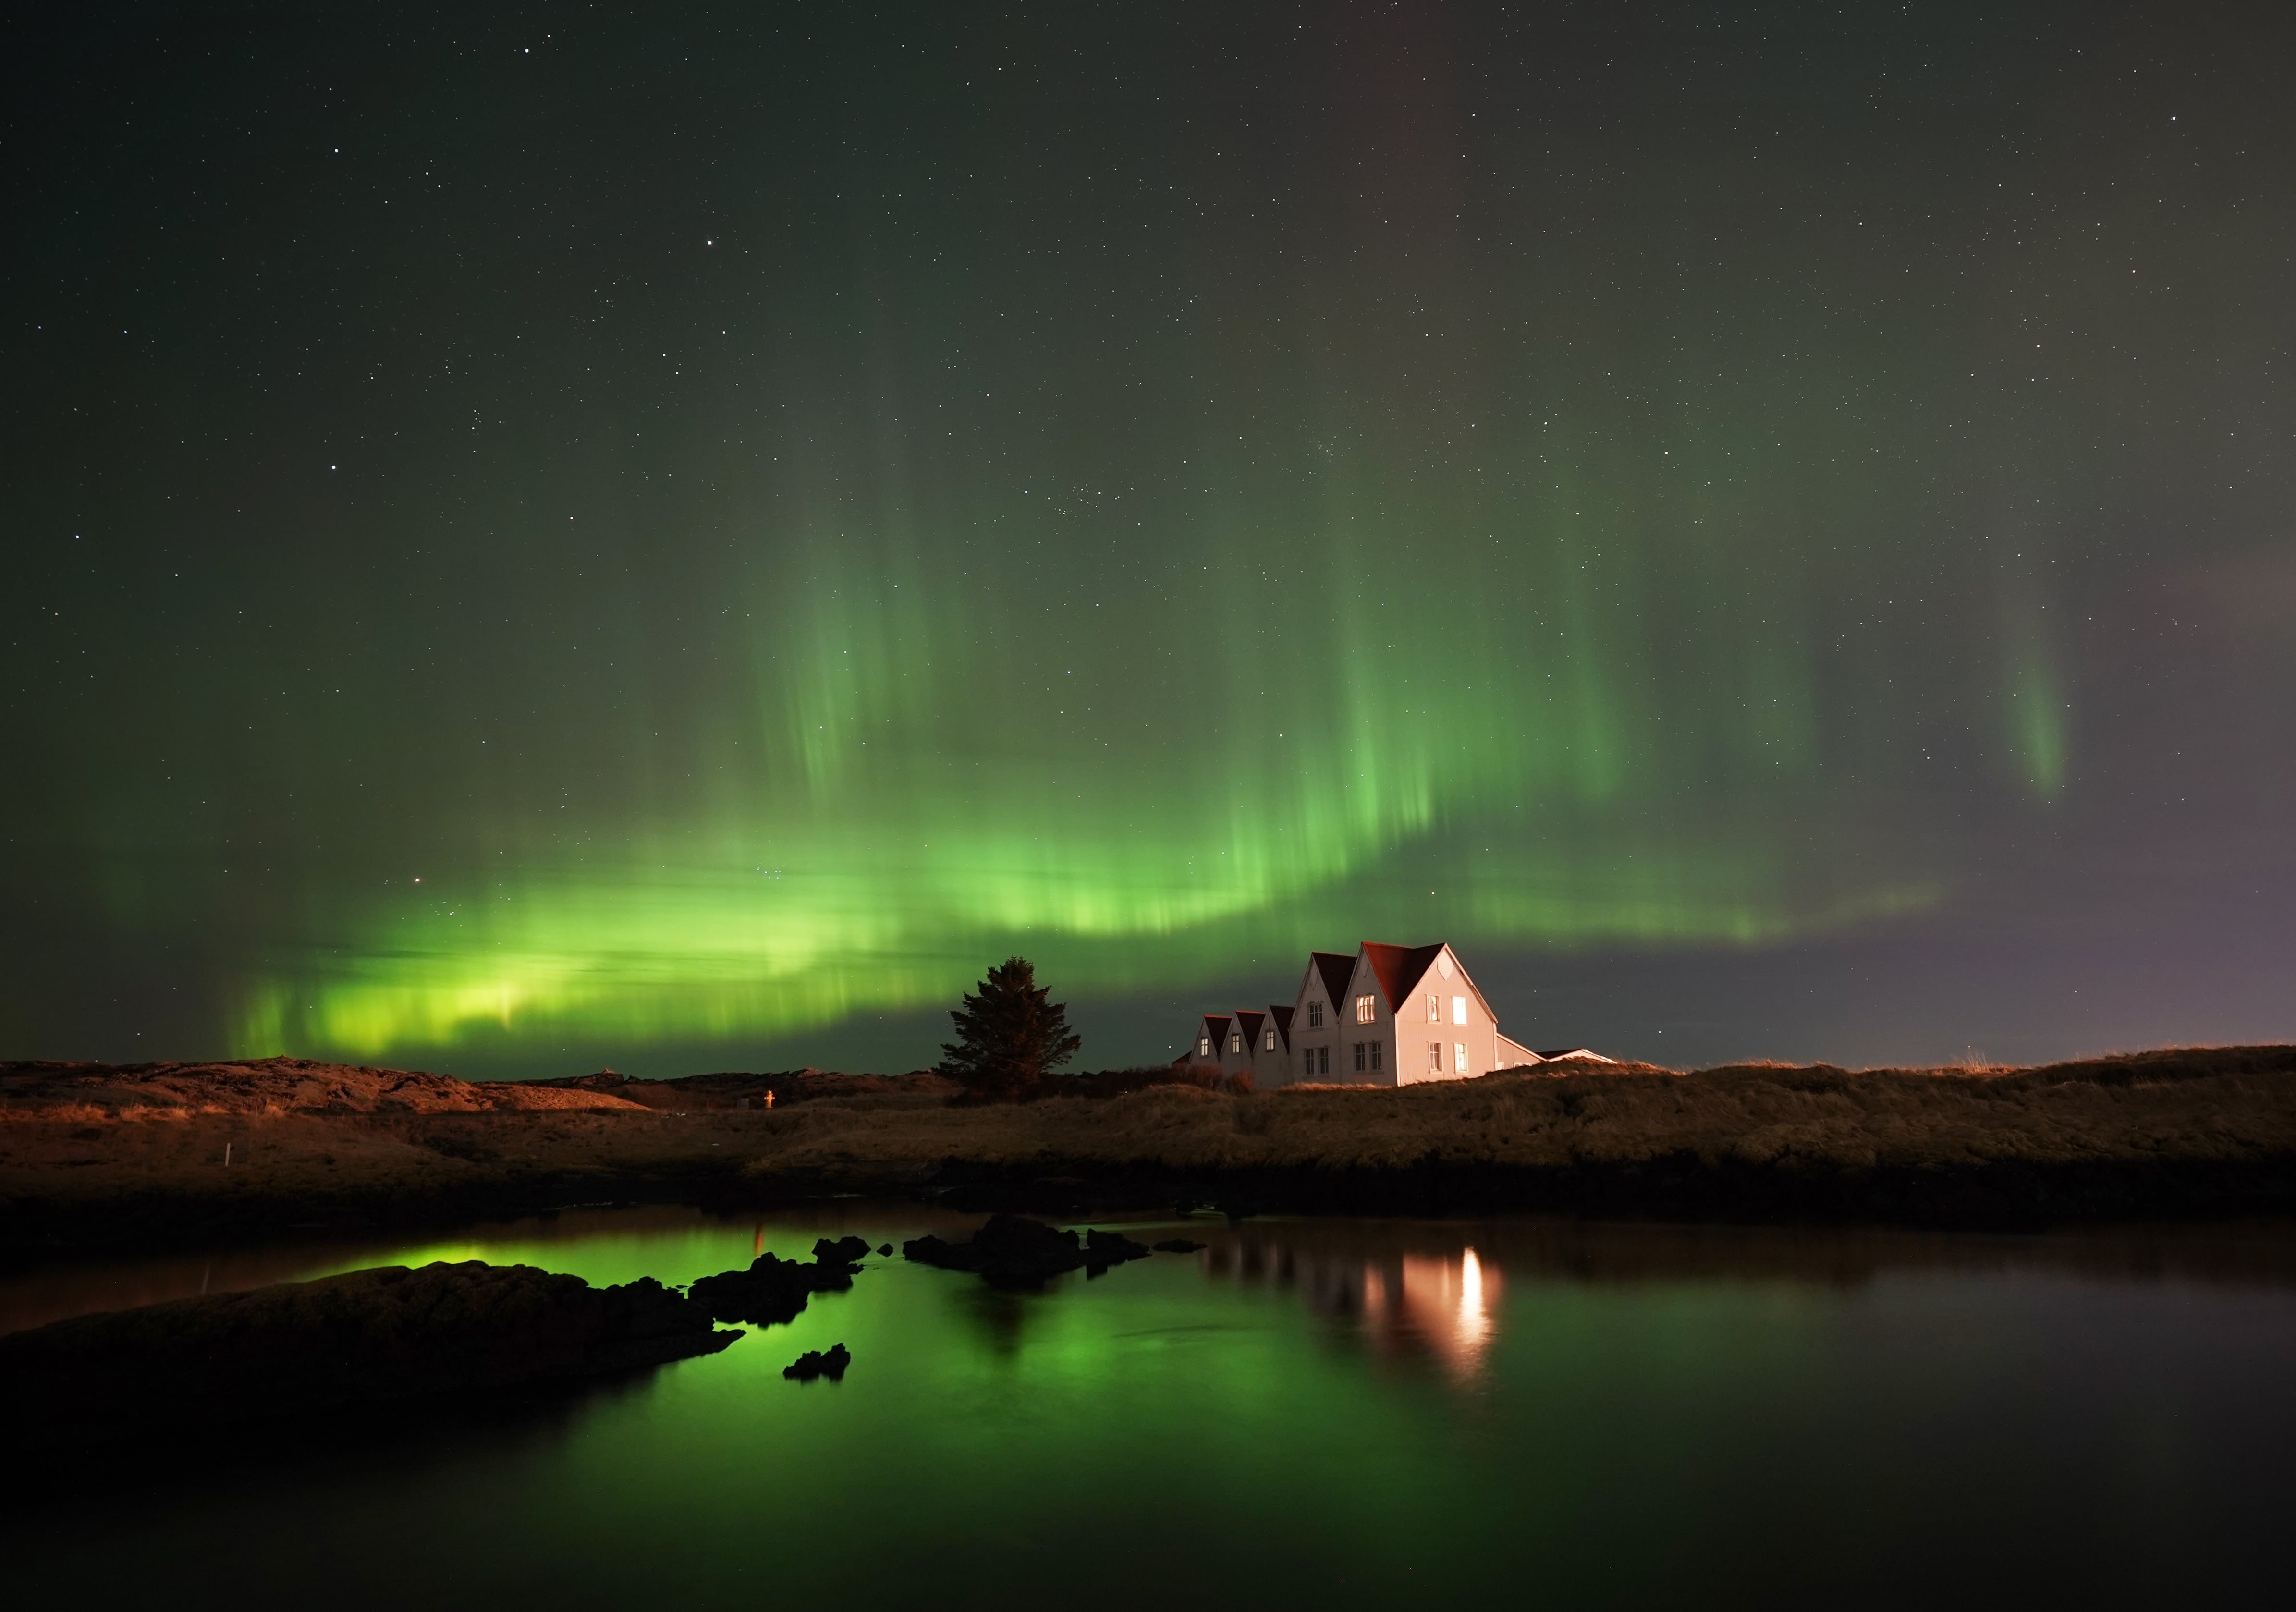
x=1327, y=1413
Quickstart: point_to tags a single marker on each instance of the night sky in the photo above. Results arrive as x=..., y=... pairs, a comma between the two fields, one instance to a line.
x=539, y=538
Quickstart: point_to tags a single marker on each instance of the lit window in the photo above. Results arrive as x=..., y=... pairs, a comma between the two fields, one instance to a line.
x=1363, y=1009
x=1203, y=1046
x=1268, y=1040
x=1458, y=1010
x=1459, y=1057
x=1236, y=1041
x=1375, y=1053
x=1315, y=1015
x=1434, y=1057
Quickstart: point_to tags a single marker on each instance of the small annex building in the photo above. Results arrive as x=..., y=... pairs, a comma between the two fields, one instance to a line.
x=1389, y=1016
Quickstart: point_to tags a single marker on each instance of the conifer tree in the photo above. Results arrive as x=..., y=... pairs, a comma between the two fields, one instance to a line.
x=1008, y=1037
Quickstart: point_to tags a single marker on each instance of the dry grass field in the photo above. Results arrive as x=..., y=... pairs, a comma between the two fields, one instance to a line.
x=103, y=1153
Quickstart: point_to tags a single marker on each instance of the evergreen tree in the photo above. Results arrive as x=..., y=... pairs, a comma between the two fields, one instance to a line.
x=1009, y=1037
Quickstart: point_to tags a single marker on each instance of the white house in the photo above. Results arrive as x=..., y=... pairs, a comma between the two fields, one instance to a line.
x=1387, y=1016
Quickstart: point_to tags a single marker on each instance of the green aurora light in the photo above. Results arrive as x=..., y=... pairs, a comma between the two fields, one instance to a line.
x=729, y=525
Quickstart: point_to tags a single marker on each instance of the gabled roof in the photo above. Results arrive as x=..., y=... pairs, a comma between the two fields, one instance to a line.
x=1399, y=969
x=1282, y=1014
x=1215, y=1027
x=1335, y=972
x=1249, y=1022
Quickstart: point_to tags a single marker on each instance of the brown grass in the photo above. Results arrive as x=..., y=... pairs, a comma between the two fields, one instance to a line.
x=156, y=1134
x=2195, y=1103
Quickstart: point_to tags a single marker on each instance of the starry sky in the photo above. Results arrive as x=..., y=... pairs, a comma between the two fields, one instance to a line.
x=674, y=536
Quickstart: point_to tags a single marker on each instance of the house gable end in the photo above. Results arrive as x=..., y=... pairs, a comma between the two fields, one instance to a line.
x=1334, y=971
x=1399, y=970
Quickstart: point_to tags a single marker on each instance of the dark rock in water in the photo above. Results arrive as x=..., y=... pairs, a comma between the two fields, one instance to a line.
x=1102, y=1249
x=1177, y=1245
x=817, y=1362
x=844, y=1251
x=884, y=1248
x=1011, y=1251
x=773, y=1290
x=301, y=1349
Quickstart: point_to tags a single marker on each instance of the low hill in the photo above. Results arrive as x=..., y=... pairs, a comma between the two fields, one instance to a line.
x=91, y=1153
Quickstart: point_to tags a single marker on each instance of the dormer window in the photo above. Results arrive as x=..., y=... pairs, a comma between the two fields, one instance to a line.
x=1236, y=1041
x=1363, y=1009
x=1203, y=1046
x=1268, y=1042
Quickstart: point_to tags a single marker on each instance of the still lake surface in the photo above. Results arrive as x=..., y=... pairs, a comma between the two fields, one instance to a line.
x=1327, y=1413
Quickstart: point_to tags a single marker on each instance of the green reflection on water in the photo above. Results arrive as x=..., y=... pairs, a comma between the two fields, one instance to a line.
x=1334, y=1414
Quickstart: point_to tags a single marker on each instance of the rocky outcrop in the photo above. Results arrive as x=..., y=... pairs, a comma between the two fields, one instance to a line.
x=342, y=1342
x=818, y=1363
x=1011, y=1251
x=773, y=1289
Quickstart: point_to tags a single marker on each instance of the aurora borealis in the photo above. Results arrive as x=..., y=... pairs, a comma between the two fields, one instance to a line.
x=539, y=536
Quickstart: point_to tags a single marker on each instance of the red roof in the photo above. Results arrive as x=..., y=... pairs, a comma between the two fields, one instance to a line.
x=1399, y=969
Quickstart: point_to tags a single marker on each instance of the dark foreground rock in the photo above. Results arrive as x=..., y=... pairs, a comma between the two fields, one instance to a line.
x=340, y=1343
x=817, y=1363
x=1011, y=1251
x=773, y=1290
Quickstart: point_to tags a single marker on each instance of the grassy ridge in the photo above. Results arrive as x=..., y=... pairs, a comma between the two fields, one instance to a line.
x=2178, y=1104
x=2168, y=1133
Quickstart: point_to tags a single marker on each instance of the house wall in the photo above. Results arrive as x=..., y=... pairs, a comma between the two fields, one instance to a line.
x=1306, y=1040
x=1356, y=1038
x=1460, y=1024
x=1271, y=1067
x=1204, y=1043
x=1237, y=1056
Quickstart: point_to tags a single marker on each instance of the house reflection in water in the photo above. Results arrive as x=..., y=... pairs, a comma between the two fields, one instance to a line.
x=1410, y=1301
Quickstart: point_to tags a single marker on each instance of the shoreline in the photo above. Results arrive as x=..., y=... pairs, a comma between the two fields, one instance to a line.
x=1683, y=1189
x=90, y=1160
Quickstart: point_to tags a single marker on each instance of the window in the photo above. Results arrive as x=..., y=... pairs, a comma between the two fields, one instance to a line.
x=1267, y=1040
x=1203, y=1046
x=1360, y=1058
x=1363, y=1009
x=1375, y=1053
x=1434, y=1057
x=1236, y=1041
x=1323, y=1060
x=1458, y=1010
x=1315, y=1015
x=1434, y=1009
x=1459, y=1057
